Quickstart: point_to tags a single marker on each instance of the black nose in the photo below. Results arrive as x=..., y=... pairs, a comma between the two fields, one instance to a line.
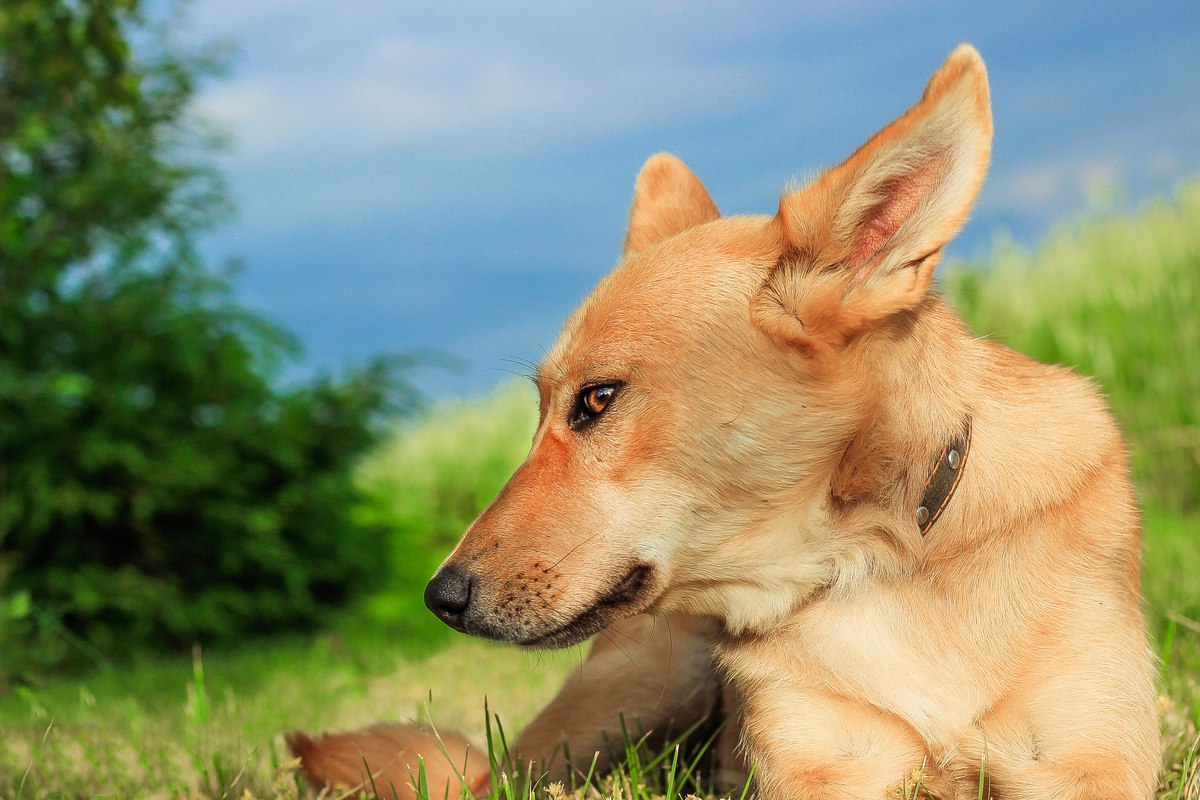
x=448, y=595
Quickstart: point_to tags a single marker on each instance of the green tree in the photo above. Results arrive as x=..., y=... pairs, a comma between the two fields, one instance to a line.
x=156, y=484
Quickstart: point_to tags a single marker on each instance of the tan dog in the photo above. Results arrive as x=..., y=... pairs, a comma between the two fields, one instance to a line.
x=903, y=545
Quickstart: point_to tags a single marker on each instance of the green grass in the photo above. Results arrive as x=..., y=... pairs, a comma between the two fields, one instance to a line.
x=1172, y=590
x=1119, y=298
x=161, y=727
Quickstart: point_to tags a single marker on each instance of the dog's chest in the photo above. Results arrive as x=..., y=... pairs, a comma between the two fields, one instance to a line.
x=881, y=651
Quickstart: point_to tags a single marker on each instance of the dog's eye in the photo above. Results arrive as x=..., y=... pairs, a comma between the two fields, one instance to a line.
x=591, y=403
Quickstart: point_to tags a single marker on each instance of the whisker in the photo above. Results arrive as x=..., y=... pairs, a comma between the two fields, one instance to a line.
x=670, y=658
x=605, y=633
x=626, y=635
x=573, y=549
x=517, y=373
x=524, y=362
x=579, y=671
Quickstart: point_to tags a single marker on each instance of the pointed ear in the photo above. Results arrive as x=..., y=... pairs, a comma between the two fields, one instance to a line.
x=668, y=198
x=861, y=242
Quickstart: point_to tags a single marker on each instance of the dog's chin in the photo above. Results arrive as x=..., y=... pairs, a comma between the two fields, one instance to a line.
x=631, y=594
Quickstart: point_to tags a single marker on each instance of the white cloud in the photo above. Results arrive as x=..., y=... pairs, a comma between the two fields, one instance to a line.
x=1034, y=187
x=307, y=111
x=396, y=94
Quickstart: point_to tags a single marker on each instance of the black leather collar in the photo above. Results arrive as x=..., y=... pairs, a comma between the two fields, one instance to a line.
x=942, y=482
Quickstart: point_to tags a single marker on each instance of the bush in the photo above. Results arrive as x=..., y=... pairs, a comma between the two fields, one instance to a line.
x=157, y=484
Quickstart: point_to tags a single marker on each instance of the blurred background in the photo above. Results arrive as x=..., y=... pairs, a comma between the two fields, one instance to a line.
x=269, y=270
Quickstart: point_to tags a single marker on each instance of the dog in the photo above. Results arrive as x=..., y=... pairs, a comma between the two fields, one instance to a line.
x=773, y=460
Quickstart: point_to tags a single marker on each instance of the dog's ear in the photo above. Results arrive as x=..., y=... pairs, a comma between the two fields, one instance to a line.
x=861, y=242
x=668, y=198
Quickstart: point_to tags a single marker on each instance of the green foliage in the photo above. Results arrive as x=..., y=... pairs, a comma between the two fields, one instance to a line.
x=157, y=486
x=90, y=139
x=431, y=479
x=1117, y=298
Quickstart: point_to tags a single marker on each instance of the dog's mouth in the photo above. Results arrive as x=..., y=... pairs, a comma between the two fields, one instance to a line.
x=628, y=592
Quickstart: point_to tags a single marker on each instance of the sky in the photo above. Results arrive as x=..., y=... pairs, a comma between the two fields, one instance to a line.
x=454, y=177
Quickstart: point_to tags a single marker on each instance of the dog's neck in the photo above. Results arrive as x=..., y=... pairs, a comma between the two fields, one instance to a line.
x=943, y=479
x=897, y=460
x=855, y=522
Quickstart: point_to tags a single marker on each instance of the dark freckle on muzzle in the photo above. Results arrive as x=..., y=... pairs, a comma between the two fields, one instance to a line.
x=631, y=590
x=532, y=588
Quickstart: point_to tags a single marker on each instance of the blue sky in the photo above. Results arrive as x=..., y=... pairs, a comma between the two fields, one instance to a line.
x=455, y=176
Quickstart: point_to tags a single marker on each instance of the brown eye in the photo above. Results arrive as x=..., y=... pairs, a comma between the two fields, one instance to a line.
x=591, y=403
x=598, y=397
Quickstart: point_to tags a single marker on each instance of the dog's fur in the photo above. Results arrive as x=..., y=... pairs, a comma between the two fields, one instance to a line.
x=786, y=384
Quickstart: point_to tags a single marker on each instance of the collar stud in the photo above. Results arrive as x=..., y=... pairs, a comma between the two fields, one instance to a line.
x=943, y=480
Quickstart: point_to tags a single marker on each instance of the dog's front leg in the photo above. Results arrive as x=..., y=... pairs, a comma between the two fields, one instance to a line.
x=655, y=673
x=810, y=745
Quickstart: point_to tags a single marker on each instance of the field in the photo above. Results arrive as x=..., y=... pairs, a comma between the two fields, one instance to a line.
x=1116, y=297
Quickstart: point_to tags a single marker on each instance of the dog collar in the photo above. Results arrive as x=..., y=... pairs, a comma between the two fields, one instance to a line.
x=942, y=482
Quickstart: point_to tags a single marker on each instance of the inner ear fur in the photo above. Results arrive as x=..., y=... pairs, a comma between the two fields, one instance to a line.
x=861, y=242
x=668, y=198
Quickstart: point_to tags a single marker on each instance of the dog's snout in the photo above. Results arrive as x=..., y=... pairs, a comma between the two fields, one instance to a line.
x=448, y=595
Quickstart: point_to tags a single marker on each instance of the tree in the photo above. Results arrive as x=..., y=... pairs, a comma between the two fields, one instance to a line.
x=156, y=483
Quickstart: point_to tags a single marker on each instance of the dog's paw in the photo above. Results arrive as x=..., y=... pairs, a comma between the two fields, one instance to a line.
x=389, y=760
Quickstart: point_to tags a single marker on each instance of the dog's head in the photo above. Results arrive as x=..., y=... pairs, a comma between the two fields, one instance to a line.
x=697, y=409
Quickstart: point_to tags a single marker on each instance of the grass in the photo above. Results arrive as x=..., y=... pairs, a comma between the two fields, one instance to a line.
x=1118, y=298
x=211, y=726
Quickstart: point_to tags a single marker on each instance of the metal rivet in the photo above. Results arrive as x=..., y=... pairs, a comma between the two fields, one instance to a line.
x=922, y=515
x=954, y=459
